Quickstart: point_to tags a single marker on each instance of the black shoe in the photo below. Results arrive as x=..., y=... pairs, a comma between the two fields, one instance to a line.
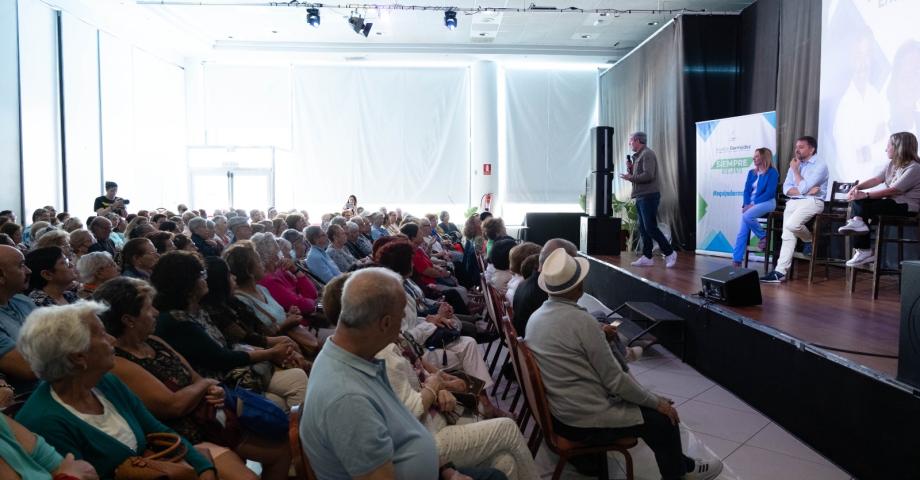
x=587, y=465
x=773, y=277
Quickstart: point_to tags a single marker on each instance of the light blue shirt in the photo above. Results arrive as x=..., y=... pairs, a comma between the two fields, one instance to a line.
x=377, y=232
x=353, y=423
x=814, y=173
x=12, y=316
x=319, y=264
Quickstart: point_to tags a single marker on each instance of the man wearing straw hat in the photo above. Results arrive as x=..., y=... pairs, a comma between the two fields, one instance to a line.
x=592, y=400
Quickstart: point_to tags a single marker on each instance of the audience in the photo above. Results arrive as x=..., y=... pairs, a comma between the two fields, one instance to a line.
x=203, y=237
x=80, y=242
x=138, y=258
x=318, y=261
x=240, y=229
x=26, y=455
x=336, y=250
x=14, y=308
x=101, y=228
x=93, y=269
x=516, y=259
x=81, y=408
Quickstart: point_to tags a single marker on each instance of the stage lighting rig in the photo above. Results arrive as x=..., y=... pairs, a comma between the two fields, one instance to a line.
x=358, y=24
x=313, y=17
x=450, y=19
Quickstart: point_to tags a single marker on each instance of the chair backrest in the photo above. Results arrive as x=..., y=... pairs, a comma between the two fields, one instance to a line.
x=531, y=381
x=301, y=463
x=838, y=202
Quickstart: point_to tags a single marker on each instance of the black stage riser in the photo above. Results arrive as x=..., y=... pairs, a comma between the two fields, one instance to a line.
x=869, y=428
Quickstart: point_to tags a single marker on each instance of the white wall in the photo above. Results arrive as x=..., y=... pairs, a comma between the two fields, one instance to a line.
x=10, y=194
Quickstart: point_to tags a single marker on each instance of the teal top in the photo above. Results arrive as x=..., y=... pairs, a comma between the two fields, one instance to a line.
x=64, y=431
x=38, y=465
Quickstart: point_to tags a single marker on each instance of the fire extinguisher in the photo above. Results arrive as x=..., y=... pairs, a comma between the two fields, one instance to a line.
x=485, y=204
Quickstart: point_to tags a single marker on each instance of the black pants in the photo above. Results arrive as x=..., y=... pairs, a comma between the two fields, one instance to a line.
x=871, y=208
x=657, y=431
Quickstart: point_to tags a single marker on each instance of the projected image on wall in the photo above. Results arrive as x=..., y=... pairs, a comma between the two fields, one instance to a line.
x=870, y=64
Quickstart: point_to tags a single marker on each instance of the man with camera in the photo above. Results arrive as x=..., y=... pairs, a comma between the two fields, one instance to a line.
x=109, y=203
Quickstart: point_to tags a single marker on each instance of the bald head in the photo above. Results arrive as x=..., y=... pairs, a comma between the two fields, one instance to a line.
x=370, y=294
x=14, y=274
x=554, y=243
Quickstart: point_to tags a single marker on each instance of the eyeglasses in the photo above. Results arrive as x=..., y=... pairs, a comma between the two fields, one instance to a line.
x=203, y=274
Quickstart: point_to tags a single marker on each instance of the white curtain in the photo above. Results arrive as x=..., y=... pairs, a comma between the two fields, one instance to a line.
x=385, y=134
x=248, y=106
x=79, y=55
x=548, y=115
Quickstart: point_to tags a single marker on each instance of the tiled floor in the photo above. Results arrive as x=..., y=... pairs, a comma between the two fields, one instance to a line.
x=714, y=423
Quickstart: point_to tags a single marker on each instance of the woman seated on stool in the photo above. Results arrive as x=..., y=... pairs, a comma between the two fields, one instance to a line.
x=759, y=200
x=900, y=196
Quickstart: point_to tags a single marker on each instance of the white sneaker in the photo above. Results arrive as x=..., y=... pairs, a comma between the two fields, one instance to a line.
x=860, y=257
x=670, y=260
x=854, y=227
x=643, y=261
x=704, y=469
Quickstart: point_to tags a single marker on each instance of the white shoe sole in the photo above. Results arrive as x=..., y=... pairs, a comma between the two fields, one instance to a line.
x=852, y=231
x=864, y=261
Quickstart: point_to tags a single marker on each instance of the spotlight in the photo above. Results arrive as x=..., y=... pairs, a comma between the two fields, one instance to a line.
x=450, y=19
x=313, y=17
x=358, y=25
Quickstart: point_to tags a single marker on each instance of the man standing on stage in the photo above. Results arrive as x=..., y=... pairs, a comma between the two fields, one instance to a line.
x=644, y=177
x=806, y=186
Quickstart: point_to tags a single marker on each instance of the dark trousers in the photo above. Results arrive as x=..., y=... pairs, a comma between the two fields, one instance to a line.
x=647, y=207
x=871, y=208
x=657, y=431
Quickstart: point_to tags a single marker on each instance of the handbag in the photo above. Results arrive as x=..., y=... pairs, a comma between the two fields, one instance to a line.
x=441, y=337
x=218, y=425
x=255, y=376
x=163, y=460
x=256, y=413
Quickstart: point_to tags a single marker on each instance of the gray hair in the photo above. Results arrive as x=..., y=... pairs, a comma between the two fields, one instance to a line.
x=365, y=300
x=640, y=137
x=51, y=334
x=89, y=264
x=51, y=237
x=555, y=243
x=376, y=219
x=351, y=227
x=266, y=246
x=292, y=235
x=196, y=223
x=443, y=215
x=338, y=220
x=312, y=233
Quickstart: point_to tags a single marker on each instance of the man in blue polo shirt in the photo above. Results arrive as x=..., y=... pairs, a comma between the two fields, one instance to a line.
x=14, y=308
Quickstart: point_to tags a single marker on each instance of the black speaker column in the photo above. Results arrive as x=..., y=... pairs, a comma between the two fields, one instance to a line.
x=600, y=181
x=909, y=345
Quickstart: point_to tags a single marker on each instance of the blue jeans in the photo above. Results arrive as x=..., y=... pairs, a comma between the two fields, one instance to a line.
x=647, y=208
x=750, y=225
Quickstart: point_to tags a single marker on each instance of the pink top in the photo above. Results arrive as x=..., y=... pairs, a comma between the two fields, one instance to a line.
x=289, y=290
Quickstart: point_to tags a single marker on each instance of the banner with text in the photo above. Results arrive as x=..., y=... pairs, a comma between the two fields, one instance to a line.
x=724, y=154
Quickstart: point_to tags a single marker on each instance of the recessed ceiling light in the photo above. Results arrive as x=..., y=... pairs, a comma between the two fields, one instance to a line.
x=651, y=24
x=482, y=34
x=586, y=36
x=379, y=33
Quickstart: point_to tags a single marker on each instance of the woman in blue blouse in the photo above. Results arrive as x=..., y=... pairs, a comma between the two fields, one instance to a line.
x=759, y=200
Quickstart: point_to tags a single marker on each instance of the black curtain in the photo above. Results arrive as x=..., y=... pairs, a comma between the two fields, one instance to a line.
x=758, y=56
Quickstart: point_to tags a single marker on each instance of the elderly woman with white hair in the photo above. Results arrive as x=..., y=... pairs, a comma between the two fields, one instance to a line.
x=93, y=269
x=81, y=407
x=81, y=241
x=53, y=237
x=203, y=237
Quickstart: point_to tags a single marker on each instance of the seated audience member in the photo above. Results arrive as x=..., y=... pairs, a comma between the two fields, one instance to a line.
x=493, y=229
x=80, y=242
x=28, y=456
x=156, y=219
x=34, y=231
x=142, y=230
x=221, y=231
x=93, y=270
x=138, y=258
x=162, y=241
x=298, y=254
x=181, y=208
x=426, y=273
x=296, y=221
x=80, y=407
x=41, y=217
x=9, y=215
x=179, y=279
x=806, y=187
x=440, y=250
x=758, y=201
x=515, y=260
x=318, y=261
x=183, y=243
x=235, y=319
x=247, y=266
x=900, y=197
x=336, y=250
x=592, y=399
x=498, y=273
x=55, y=237
x=134, y=223
x=203, y=238
x=240, y=229
x=15, y=232
x=102, y=229
x=170, y=226
x=365, y=240
x=257, y=228
x=421, y=319
x=6, y=240
x=378, y=229
x=529, y=296
x=52, y=277
x=14, y=308
x=288, y=288
x=72, y=224
x=173, y=391
x=489, y=443
x=351, y=407
x=118, y=230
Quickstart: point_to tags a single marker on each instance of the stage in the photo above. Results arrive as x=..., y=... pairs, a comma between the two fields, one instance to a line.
x=847, y=406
